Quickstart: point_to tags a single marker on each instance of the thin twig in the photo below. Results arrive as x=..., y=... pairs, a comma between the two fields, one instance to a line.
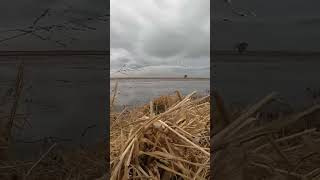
x=41, y=158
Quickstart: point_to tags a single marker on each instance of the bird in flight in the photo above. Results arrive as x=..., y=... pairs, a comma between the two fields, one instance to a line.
x=239, y=11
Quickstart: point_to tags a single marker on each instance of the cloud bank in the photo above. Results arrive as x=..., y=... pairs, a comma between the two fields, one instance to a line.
x=160, y=38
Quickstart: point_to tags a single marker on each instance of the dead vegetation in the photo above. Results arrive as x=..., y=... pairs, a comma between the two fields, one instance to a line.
x=166, y=139
x=245, y=146
x=59, y=163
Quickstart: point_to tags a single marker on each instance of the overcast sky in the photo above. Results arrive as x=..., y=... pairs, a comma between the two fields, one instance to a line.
x=278, y=25
x=21, y=14
x=160, y=38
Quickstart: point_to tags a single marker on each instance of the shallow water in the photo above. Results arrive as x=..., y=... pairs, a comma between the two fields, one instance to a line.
x=67, y=95
x=248, y=82
x=141, y=91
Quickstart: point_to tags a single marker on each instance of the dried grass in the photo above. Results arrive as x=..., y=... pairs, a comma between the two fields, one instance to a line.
x=168, y=138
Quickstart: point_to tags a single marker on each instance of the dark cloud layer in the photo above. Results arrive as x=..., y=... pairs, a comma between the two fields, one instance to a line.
x=160, y=38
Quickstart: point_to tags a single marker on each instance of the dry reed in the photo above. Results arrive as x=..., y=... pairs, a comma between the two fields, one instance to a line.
x=249, y=148
x=169, y=138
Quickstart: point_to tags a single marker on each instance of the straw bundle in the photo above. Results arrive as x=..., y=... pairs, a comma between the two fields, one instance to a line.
x=170, y=142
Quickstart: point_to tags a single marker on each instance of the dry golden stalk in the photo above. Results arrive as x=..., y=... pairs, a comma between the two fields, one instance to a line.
x=273, y=150
x=115, y=91
x=173, y=143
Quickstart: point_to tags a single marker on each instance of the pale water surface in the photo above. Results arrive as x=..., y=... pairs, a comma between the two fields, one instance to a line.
x=141, y=91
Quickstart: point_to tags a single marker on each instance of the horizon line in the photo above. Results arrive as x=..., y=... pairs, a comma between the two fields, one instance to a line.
x=159, y=77
x=54, y=52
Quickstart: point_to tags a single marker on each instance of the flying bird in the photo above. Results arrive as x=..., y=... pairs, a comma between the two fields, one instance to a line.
x=239, y=11
x=243, y=12
x=227, y=20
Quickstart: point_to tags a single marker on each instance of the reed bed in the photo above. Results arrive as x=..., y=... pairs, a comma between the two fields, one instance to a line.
x=247, y=146
x=166, y=139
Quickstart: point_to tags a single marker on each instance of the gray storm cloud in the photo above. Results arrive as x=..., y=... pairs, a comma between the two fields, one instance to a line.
x=160, y=38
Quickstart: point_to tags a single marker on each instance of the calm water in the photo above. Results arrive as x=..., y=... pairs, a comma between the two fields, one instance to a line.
x=239, y=83
x=133, y=92
x=68, y=95
x=247, y=82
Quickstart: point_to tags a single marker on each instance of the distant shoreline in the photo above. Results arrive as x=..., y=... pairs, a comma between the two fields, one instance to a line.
x=107, y=52
x=266, y=53
x=264, y=57
x=55, y=53
x=159, y=78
